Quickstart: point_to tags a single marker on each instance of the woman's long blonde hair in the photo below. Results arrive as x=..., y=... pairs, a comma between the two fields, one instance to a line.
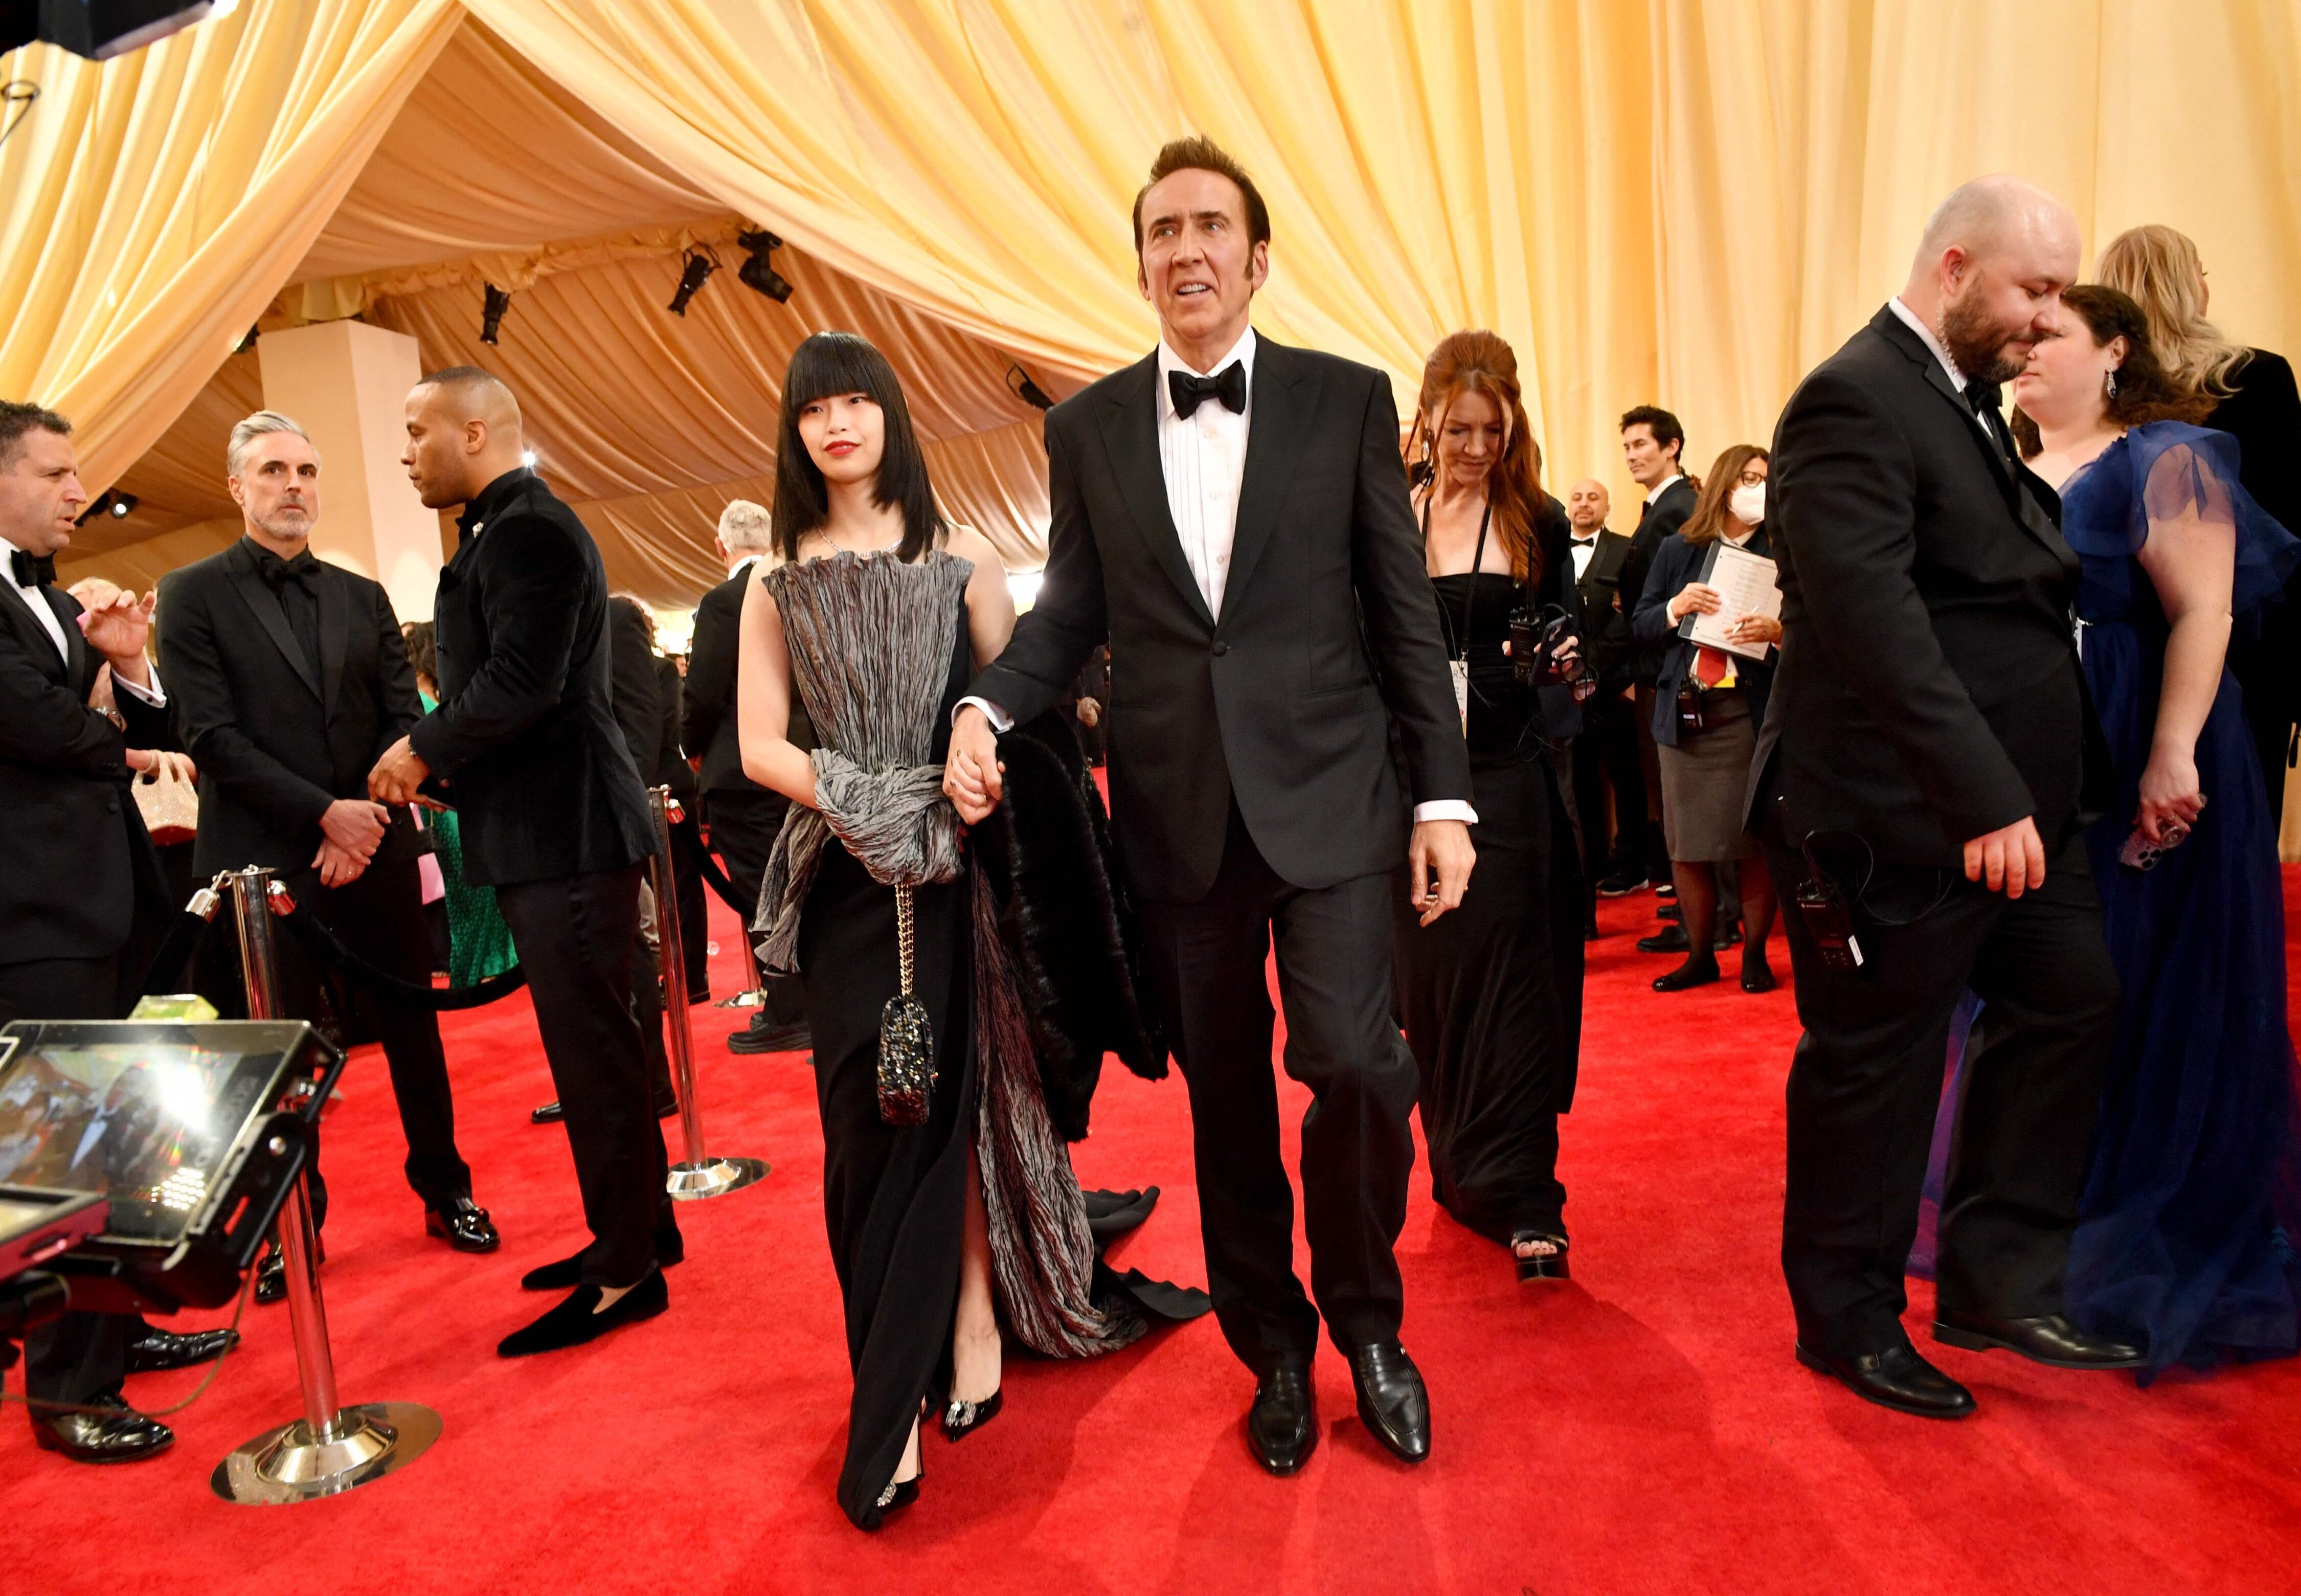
x=2160, y=269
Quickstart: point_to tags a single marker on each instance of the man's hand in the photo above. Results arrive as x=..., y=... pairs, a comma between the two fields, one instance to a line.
x=154, y=762
x=397, y=774
x=355, y=826
x=2009, y=860
x=1440, y=848
x=1090, y=712
x=337, y=866
x=972, y=775
x=118, y=627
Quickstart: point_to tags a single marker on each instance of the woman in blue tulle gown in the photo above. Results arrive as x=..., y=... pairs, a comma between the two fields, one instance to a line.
x=2182, y=1241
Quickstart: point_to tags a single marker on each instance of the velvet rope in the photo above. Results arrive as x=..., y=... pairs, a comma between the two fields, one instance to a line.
x=331, y=947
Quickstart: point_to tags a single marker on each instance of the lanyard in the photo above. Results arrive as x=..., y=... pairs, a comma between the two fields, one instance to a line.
x=1477, y=559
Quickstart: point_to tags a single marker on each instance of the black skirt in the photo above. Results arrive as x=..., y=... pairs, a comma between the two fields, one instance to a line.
x=894, y=1198
x=1490, y=999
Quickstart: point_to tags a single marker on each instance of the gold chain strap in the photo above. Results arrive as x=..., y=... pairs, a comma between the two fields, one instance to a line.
x=903, y=934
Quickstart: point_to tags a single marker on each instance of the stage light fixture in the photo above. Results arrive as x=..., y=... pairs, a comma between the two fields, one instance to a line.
x=117, y=507
x=758, y=271
x=100, y=30
x=1019, y=384
x=123, y=505
x=247, y=344
x=699, y=264
x=491, y=314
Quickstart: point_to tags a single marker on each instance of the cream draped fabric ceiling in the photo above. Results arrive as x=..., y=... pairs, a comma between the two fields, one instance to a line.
x=1653, y=199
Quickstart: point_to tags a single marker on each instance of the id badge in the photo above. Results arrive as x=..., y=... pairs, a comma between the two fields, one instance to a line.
x=1459, y=670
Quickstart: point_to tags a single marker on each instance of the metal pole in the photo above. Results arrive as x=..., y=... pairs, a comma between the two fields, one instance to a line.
x=699, y=1175
x=754, y=992
x=332, y=1449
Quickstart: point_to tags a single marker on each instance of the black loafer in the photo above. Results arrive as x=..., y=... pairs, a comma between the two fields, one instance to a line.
x=464, y=1225
x=760, y=1037
x=578, y=1318
x=1693, y=972
x=158, y=1349
x=1757, y=975
x=1670, y=939
x=117, y=1434
x=1282, y=1426
x=1392, y=1401
x=1895, y=1378
x=547, y=1114
x=2052, y=1341
x=565, y=1274
x=1622, y=885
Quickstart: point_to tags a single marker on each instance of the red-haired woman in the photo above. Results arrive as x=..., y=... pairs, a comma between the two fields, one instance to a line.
x=1490, y=996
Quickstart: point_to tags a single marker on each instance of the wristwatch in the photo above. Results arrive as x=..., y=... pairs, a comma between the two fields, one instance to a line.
x=111, y=713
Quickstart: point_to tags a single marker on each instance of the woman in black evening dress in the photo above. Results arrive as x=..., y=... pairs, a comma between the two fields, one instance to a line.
x=1490, y=997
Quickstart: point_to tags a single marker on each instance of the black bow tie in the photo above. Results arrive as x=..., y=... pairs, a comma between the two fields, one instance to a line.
x=1228, y=384
x=304, y=571
x=32, y=571
x=1984, y=398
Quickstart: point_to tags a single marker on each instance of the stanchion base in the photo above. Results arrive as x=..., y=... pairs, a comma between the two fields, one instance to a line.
x=714, y=1177
x=290, y=1464
x=750, y=999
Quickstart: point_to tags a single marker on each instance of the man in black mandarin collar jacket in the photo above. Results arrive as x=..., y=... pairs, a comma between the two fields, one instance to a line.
x=1925, y=743
x=525, y=745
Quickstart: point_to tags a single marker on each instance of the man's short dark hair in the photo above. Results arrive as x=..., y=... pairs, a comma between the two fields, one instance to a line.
x=1198, y=153
x=16, y=420
x=1663, y=425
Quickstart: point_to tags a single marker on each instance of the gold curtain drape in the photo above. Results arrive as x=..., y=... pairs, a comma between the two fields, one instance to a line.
x=1688, y=200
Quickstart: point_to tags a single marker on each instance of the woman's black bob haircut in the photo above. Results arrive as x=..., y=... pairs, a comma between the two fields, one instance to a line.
x=827, y=365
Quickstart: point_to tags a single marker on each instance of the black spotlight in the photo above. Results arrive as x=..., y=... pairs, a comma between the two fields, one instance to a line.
x=1019, y=384
x=123, y=505
x=700, y=263
x=99, y=30
x=247, y=344
x=491, y=314
x=118, y=506
x=758, y=271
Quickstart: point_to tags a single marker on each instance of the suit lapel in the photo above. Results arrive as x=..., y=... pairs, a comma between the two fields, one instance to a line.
x=2032, y=516
x=43, y=646
x=1129, y=417
x=335, y=634
x=1285, y=398
x=79, y=665
x=265, y=606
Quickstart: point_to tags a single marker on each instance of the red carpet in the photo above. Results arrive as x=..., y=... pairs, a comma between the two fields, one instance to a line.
x=1641, y=1429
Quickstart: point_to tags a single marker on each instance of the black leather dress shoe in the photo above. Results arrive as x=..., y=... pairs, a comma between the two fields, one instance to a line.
x=118, y=1434
x=1622, y=883
x=1392, y=1401
x=1693, y=972
x=1282, y=1426
x=272, y=1273
x=547, y=1114
x=158, y=1349
x=1895, y=1378
x=763, y=1037
x=1757, y=975
x=578, y=1318
x=464, y=1225
x=1670, y=939
x=2052, y=1341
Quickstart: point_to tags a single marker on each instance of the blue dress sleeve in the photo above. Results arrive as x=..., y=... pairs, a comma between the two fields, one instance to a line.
x=2166, y=469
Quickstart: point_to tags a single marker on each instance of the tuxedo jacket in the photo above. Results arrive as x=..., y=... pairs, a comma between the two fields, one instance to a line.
x=76, y=865
x=1606, y=624
x=276, y=742
x=1656, y=523
x=525, y=742
x=1928, y=688
x=1328, y=631
x=708, y=725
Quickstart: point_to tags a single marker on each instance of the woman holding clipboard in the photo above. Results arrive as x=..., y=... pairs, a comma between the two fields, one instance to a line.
x=1709, y=702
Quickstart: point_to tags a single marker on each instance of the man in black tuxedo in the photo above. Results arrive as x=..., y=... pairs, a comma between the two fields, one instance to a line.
x=81, y=891
x=744, y=816
x=1223, y=514
x=524, y=744
x=1653, y=446
x=290, y=678
x=1925, y=754
x=1606, y=752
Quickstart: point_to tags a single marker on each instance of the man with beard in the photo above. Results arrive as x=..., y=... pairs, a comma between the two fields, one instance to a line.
x=1923, y=765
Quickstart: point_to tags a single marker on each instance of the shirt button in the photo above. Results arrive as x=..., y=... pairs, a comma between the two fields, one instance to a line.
x=1221, y=649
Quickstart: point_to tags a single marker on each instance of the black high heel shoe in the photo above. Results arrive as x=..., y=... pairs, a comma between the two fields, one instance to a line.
x=1542, y=1266
x=961, y=1419
x=896, y=1497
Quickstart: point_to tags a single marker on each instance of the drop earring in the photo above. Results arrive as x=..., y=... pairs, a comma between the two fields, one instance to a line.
x=2109, y=384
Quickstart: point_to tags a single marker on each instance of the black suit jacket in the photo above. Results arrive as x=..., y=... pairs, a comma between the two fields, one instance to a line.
x=635, y=689
x=525, y=740
x=707, y=721
x=1928, y=688
x=1676, y=564
x=1657, y=521
x=276, y=744
x=76, y=865
x=2263, y=414
x=1606, y=608
x=1328, y=630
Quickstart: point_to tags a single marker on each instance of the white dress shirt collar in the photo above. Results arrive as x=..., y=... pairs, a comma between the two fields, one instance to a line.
x=41, y=610
x=1910, y=320
x=1241, y=351
x=1662, y=487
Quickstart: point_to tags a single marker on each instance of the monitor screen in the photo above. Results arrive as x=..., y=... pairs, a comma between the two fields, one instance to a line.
x=143, y=1114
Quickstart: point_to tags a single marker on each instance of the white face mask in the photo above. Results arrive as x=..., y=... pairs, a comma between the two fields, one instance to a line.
x=1748, y=504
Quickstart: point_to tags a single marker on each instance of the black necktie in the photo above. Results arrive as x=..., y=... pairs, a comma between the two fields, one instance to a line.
x=304, y=571
x=1228, y=384
x=32, y=571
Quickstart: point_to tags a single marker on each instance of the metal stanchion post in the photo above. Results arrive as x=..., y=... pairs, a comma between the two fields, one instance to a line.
x=754, y=989
x=332, y=1449
x=699, y=1175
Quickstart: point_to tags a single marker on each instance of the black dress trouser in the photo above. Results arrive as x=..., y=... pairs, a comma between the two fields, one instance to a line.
x=1206, y=961
x=79, y=1356
x=576, y=937
x=1866, y=1081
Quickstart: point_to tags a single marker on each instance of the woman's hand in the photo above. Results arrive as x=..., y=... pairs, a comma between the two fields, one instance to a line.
x=1755, y=629
x=2170, y=795
x=1692, y=597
